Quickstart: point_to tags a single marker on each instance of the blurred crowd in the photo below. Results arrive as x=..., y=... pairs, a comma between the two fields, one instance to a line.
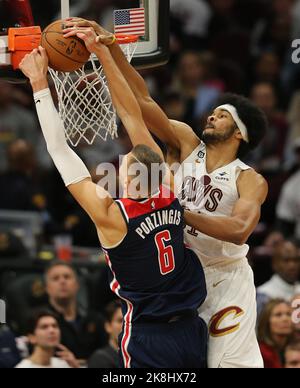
x=241, y=46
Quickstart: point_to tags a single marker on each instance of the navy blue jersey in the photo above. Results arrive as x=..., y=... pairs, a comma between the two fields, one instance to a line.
x=153, y=272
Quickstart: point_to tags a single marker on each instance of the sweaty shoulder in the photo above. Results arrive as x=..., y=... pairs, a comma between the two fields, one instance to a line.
x=186, y=138
x=252, y=185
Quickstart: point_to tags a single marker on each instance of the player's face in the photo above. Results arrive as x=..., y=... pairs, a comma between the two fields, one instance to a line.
x=47, y=333
x=220, y=127
x=281, y=320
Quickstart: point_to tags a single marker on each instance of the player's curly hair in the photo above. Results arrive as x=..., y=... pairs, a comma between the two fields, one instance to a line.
x=253, y=117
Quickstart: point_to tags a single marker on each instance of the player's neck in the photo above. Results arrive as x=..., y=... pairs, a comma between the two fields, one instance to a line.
x=219, y=155
x=42, y=356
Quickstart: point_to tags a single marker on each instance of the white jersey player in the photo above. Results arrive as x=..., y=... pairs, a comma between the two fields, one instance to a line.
x=224, y=197
x=230, y=309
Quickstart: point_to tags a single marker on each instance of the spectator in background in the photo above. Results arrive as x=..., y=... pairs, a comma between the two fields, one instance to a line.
x=44, y=335
x=190, y=83
x=296, y=20
x=15, y=122
x=20, y=186
x=293, y=117
x=270, y=154
x=274, y=33
x=296, y=317
x=11, y=246
x=108, y=357
x=292, y=356
x=173, y=105
x=9, y=354
x=284, y=284
x=274, y=332
x=267, y=69
x=191, y=20
x=82, y=332
x=228, y=37
x=288, y=207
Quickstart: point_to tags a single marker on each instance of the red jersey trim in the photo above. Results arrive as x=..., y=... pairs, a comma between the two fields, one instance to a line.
x=135, y=209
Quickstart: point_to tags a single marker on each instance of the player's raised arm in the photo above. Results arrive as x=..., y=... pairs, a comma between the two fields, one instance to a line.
x=175, y=135
x=73, y=171
x=253, y=191
x=122, y=96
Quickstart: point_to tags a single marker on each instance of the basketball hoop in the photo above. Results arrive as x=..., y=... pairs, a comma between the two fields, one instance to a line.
x=84, y=101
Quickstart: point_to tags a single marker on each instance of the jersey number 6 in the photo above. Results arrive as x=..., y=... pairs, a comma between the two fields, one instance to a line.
x=165, y=253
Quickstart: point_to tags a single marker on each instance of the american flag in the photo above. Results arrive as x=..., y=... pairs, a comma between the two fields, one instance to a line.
x=130, y=22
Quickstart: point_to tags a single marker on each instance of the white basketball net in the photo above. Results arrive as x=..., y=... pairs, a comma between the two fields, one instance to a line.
x=84, y=101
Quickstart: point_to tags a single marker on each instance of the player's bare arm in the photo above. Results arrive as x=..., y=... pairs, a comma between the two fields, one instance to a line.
x=253, y=191
x=122, y=96
x=93, y=199
x=179, y=137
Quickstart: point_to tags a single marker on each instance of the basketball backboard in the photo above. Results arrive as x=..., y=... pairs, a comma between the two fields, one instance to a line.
x=153, y=47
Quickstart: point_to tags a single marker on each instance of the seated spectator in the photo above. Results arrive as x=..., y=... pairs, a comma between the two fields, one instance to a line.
x=15, y=122
x=274, y=332
x=293, y=117
x=44, y=335
x=267, y=68
x=108, y=357
x=296, y=318
x=193, y=17
x=81, y=332
x=292, y=356
x=288, y=214
x=9, y=354
x=19, y=186
x=270, y=153
x=284, y=284
x=191, y=83
x=11, y=246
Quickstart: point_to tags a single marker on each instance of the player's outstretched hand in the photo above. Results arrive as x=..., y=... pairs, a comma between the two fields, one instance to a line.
x=105, y=37
x=90, y=38
x=35, y=65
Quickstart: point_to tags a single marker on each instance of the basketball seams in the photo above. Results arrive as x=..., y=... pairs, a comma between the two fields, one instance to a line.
x=68, y=54
x=55, y=49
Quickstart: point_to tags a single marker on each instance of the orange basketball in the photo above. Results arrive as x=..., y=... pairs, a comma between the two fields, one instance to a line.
x=65, y=54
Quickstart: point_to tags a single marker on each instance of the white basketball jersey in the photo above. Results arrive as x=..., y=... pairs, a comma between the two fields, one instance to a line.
x=212, y=194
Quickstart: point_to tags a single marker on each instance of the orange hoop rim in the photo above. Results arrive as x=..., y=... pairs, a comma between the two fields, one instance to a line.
x=126, y=39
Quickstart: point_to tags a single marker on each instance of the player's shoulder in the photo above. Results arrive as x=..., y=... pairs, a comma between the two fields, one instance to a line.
x=252, y=179
x=253, y=176
x=187, y=139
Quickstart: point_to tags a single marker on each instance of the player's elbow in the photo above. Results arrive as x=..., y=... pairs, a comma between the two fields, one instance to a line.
x=241, y=235
x=240, y=240
x=144, y=97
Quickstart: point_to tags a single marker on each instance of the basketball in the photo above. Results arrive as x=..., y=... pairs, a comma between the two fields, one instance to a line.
x=65, y=54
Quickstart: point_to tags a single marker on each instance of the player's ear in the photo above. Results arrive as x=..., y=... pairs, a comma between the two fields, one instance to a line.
x=238, y=134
